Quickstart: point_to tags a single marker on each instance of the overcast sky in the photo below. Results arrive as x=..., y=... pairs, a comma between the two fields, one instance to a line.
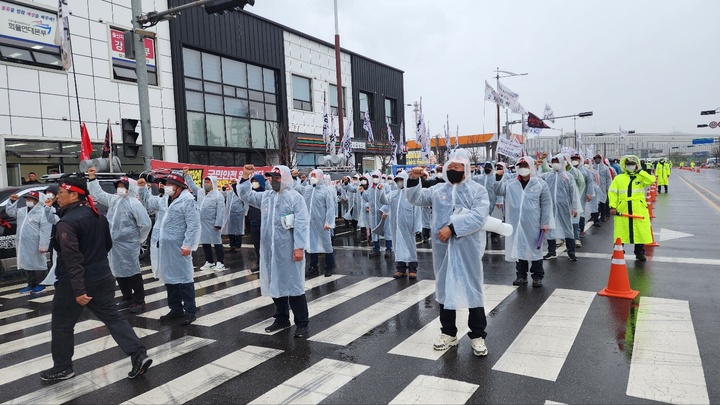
x=650, y=66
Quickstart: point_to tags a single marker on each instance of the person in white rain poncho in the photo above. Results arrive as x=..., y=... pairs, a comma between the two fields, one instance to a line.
x=211, y=203
x=32, y=239
x=528, y=208
x=284, y=239
x=605, y=180
x=235, y=221
x=593, y=204
x=130, y=225
x=320, y=201
x=372, y=198
x=460, y=209
x=177, y=237
x=586, y=194
x=405, y=221
x=349, y=198
x=565, y=206
x=572, y=167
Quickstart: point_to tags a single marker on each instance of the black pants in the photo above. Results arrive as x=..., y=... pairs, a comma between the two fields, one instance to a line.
x=329, y=260
x=660, y=189
x=34, y=277
x=255, y=236
x=582, y=224
x=181, y=298
x=235, y=241
x=477, y=322
x=299, y=306
x=569, y=243
x=536, y=270
x=66, y=311
x=363, y=234
x=404, y=266
x=639, y=249
x=426, y=233
x=132, y=289
x=207, y=249
x=601, y=209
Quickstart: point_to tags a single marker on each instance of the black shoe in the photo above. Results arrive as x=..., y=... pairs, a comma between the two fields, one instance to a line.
x=301, y=332
x=52, y=376
x=140, y=365
x=640, y=257
x=312, y=272
x=520, y=281
x=388, y=253
x=136, y=308
x=549, y=256
x=171, y=315
x=188, y=319
x=597, y=224
x=123, y=305
x=537, y=283
x=572, y=257
x=375, y=254
x=328, y=272
x=276, y=326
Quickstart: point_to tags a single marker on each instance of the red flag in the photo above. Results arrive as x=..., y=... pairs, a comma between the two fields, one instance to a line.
x=534, y=122
x=108, y=141
x=85, y=145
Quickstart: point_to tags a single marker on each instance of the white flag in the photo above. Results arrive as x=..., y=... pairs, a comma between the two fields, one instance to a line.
x=517, y=108
x=326, y=125
x=425, y=151
x=62, y=34
x=579, y=139
x=401, y=144
x=368, y=128
x=346, y=146
x=591, y=151
x=393, y=145
x=507, y=94
x=548, y=114
x=492, y=95
x=333, y=136
x=623, y=134
x=457, y=137
x=447, y=138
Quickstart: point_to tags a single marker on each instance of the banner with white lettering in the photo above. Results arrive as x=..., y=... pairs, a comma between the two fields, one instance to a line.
x=509, y=148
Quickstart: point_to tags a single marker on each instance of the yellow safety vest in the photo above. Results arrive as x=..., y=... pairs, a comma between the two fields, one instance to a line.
x=627, y=196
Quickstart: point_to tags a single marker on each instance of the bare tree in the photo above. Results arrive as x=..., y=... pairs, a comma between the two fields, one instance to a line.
x=382, y=144
x=279, y=147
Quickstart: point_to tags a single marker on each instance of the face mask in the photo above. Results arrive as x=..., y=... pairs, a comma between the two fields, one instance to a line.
x=488, y=171
x=255, y=185
x=597, y=161
x=576, y=163
x=356, y=181
x=524, y=171
x=314, y=180
x=631, y=168
x=121, y=191
x=50, y=196
x=587, y=166
x=364, y=183
x=400, y=184
x=170, y=190
x=512, y=170
x=376, y=180
x=276, y=186
x=207, y=188
x=556, y=166
x=455, y=176
x=29, y=204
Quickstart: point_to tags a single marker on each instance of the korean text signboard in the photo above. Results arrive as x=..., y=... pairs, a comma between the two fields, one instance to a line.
x=117, y=47
x=225, y=174
x=27, y=24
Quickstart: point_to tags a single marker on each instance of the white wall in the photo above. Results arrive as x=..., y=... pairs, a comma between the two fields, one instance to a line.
x=310, y=59
x=40, y=104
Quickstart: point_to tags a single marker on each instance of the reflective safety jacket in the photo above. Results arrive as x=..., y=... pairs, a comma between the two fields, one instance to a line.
x=627, y=195
x=662, y=170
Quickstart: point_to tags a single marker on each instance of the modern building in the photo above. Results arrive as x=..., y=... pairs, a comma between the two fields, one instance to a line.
x=248, y=89
x=41, y=104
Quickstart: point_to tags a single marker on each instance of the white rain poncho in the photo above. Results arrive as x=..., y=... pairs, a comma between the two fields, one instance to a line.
x=405, y=220
x=320, y=203
x=458, y=261
x=32, y=235
x=236, y=211
x=347, y=202
x=488, y=181
x=592, y=206
x=579, y=188
x=333, y=190
x=564, y=199
x=372, y=198
x=177, y=226
x=130, y=225
x=280, y=276
x=605, y=180
x=158, y=207
x=527, y=210
x=212, y=210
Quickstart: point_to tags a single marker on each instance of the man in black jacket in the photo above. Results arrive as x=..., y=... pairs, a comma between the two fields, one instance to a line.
x=82, y=239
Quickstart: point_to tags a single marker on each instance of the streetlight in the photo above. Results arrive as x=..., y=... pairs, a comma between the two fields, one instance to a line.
x=497, y=81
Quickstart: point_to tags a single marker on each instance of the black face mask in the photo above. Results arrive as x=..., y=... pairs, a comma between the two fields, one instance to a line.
x=597, y=161
x=455, y=176
x=488, y=170
x=276, y=186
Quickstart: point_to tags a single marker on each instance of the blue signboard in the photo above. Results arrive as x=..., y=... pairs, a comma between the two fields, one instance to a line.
x=700, y=141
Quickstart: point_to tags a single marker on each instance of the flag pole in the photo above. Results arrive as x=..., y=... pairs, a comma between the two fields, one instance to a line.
x=338, y=72
x=109, y=128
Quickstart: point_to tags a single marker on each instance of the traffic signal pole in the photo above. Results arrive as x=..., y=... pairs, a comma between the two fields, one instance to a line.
x=142, y=84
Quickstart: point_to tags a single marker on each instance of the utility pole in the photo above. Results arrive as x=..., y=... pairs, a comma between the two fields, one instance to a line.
x=142, y=84
x=338, y=73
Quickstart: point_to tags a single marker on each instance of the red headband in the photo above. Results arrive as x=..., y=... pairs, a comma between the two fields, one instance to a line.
x=75, y=189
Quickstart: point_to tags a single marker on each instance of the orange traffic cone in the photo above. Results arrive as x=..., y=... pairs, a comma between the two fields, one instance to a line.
x=650, y=209
x=653, y=193
x=654, y=242
x=618, y=282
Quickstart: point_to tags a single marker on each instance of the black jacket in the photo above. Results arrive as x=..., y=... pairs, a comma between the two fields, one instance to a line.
x=82, y=239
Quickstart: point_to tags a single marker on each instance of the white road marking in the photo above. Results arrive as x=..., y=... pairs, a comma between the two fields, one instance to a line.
x=43, y=337
x=425, y=389
x=666, y=364
x=543, y=345
x=314, y=384
x=14, y=312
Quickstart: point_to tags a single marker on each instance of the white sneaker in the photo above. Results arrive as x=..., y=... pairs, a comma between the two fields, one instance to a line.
x=207, y=266
x=478, y=346
x=578, y=244
x=218, y=266
x=445, y=342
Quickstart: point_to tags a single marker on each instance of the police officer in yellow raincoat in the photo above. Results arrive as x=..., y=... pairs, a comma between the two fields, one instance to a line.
x=626, y=196
x=662, y=171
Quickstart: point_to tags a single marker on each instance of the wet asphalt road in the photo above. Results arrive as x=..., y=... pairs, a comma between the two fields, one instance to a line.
x=595, y=370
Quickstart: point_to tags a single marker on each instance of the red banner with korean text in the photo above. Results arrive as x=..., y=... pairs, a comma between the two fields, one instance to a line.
x=224, y=174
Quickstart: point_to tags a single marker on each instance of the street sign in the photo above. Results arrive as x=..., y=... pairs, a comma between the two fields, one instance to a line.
x=700, y=141
x=713, y=124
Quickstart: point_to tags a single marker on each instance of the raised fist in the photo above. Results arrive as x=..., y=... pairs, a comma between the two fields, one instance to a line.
x=248, y=171
x=91, y=172
x=186, y=170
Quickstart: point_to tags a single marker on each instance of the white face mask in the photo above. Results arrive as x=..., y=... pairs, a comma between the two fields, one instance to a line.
x=121, y=191
x=631, y=168
x=576, y=163
x=50, y=196
x=587, y=166
x=29, y=204
x=169, y=190
x=255, y=185
x=314, y=180
x=523, y=171
x=556, y=166
x=400, y=184
x=376, y=180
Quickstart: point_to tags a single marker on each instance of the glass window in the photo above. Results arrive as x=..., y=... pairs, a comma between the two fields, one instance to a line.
x=194, y=101
x=269, y=80
x=255, y=95
x=270, y=98
x=273, y=137
x=238, y=132
x=122, y=73
x=390, y=110
x=236, y=107
x=332, y=96
x=213, y=104
x=257, y=131
x=47, y=58
x=199, y=157
x=366, y=104
x=257, y=110
x=213, y=88
x=196, y=129
x=222, y=158
x=242, y=93
x=233, y=72
x=191, y=63
x=229, y=91
x=215, y=130
x=255, y=77
x=302, y=93
x=271, y=112
x=211, y=67
x=191, y=84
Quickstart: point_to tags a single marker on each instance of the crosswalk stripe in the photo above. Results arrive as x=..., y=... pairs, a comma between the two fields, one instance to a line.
x=542, y=346
x=18, y=294
x=425, y=389
x=329, y=301
x=235, y=311
x=350, y=329
x=12, y=287
x=207, y=377
x=24, y=324
x=666, y=364
x=86, y=383
x=13, y=312
x=43, y=337
x=420, y=343
x=314, y=384
x=38, y=364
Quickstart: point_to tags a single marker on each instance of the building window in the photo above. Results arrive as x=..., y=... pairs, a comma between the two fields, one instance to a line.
x=124, y=68
x=334, y=102
x=28, y=36
x=302, y=93
x=230, y=104
x=366, y=105
x=391, y=110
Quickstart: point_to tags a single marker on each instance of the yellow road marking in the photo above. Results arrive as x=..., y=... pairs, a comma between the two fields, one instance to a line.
x=707, y=200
